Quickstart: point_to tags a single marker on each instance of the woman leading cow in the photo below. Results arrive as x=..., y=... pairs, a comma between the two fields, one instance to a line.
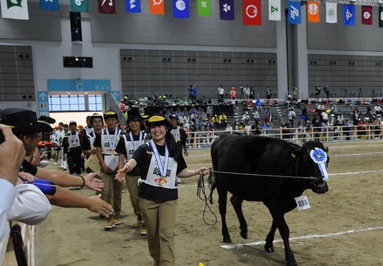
x=160, y=161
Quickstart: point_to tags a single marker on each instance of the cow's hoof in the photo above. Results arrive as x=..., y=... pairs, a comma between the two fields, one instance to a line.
x=269, y=249
x=244, y=234
x=293, y=263
x=227, y=240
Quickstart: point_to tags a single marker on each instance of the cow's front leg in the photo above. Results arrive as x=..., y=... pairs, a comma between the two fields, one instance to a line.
x=237, y=205
x=285, y=234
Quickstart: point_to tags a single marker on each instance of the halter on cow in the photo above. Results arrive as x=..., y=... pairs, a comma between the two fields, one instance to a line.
x=273, y=171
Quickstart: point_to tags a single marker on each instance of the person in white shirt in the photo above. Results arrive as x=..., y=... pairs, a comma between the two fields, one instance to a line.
x=12, y=153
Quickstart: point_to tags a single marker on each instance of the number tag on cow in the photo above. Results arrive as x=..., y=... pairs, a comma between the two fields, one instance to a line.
x=302, y=202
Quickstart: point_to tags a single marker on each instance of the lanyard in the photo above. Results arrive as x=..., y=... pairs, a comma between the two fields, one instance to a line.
x=161, y=166
x=114, y=143
x=139, y=140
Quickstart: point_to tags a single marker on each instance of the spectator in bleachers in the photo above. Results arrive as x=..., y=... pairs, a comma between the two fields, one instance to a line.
x=215, y=121
x=222, y=121
x=317, y=92
x=246, y=117
x=228, y=129
x=378, y=110
x=284, y=130
x=291, y=115
x=266, y=128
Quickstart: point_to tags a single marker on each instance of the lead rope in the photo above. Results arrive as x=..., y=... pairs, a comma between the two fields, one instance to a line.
x=201, y=193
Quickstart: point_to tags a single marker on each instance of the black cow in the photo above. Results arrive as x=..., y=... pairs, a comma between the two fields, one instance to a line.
x=274, y=172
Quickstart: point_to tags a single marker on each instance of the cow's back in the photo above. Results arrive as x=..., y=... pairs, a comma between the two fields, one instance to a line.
x=253, y=156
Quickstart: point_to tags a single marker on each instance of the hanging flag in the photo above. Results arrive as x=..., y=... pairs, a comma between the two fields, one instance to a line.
x=367, y=15
x=380, y=17
x=79, y=5
x=349, y=14
x=275, y=10
x=331, y=13
x=181, y=9
x=294, y=12
x=204, y=7
x=133, y=6
x=107, y=6
x=157, y=7
x=15, y=9
x=252, y=12
x=49, y=5
x=313, y=11
x=226, y=9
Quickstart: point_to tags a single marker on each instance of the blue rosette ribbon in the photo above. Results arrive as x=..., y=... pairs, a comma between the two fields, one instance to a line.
x=320, y=158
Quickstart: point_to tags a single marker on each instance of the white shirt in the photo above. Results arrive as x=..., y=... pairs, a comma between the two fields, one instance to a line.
x=7, y=196
x=30, y=206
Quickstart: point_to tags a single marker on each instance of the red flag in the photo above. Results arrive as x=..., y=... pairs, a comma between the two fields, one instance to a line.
x=157, y=7
x=252, y=12
x=367, y=15
x=107, y=6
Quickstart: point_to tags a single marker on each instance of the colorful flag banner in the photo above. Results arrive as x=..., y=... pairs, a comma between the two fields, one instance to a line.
x=380, y=17
x=157, y=7
x=252, y=12
x=313, y=11
x=107, y=6
x=49, y=5
x=331, y=12
x=275, y=10
x=349, y=14
x=367, y=15
x=79, y=5
x=15, y=9
x=133, y=6
x=294, y=12
x=226, y=9
x=204, y=7
x=181, y=9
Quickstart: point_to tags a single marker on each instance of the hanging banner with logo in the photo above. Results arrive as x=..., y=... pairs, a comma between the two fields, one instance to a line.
x=15, y=9
x=226, y=9
x=181, y=9
x=252, y=12
x=331, y=13
x=294, y=12
x=367, y=15
x=157, y=7
x=313, y=11
x=275, y=10
x=348, y=14
x=133, y=6
x=204, y=7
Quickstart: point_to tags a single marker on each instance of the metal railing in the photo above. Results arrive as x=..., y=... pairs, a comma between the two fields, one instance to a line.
x=202, y=139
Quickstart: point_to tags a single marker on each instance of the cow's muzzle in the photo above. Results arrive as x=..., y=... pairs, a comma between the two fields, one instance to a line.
x=320, y=186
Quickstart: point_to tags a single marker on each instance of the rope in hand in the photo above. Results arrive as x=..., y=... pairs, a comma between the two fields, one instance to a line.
x=201, y=193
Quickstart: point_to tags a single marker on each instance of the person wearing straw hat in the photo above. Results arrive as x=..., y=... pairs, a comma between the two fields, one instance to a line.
x=160, y=161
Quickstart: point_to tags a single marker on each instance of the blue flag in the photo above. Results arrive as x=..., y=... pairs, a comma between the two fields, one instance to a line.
x=133, y=6
x=349, y=14
x=226, y=9
x=49, y=5
x=294, y=12
x=181, y=8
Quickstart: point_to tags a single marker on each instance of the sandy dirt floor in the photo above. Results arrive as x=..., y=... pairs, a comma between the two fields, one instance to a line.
x=342, y=227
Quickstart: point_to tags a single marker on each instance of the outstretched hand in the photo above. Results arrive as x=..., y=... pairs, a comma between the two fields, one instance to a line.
x=97, y=205
x=94, y=183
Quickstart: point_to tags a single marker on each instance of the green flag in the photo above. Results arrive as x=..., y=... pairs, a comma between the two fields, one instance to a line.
x=204, y=7
x=79, y=5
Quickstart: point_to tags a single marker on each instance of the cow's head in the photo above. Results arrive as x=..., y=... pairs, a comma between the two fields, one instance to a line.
x=314, y=162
